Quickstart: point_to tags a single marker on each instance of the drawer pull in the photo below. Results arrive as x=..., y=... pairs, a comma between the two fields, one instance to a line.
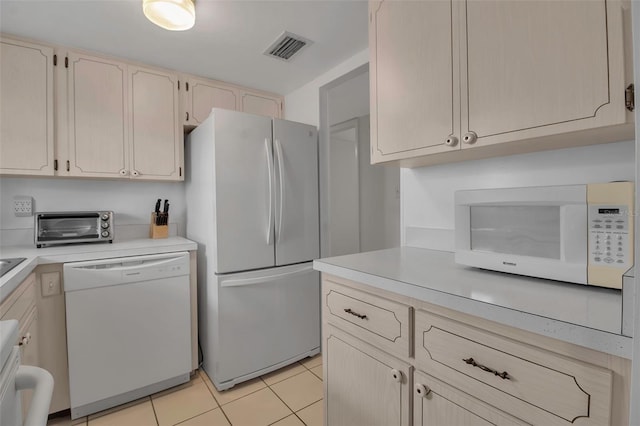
x=503, y=375
x=396, y=375
x=355, y=314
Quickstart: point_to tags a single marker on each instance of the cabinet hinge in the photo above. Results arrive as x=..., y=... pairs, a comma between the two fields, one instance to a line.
x=180, y=170
x=68, y=166
x=186, y=86
x=55, y=60
x=629, y=97
x=55, y=165
x=66, y=62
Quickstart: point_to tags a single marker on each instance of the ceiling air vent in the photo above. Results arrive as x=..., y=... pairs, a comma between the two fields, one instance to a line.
x=287, y=45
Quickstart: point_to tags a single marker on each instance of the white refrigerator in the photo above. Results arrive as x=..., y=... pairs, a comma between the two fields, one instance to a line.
x=252, y=207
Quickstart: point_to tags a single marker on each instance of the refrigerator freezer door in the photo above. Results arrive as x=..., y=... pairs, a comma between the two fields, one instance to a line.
x=296, y=205
x=245, y=191
x=260, y=321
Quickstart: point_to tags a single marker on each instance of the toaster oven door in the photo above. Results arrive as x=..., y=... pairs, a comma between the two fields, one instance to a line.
x=68, y=227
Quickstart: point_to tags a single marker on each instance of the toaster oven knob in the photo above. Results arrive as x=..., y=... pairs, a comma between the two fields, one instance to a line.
x=105, y=233
x=105, y=225
x=105, y=216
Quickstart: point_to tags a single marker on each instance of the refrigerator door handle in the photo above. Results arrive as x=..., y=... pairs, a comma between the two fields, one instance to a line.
x=237, y=282
x=281, y=178
x=267, y=147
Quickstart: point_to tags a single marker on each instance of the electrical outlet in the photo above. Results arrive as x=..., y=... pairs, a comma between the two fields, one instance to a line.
x=22, y=205
x=50, y=282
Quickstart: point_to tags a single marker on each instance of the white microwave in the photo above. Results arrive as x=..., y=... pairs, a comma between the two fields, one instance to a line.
x=576, y=233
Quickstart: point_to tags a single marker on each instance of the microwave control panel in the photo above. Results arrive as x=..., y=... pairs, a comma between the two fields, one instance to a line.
x=609, y=236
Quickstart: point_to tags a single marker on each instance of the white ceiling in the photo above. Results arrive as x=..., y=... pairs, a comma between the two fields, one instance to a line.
x=226, y=42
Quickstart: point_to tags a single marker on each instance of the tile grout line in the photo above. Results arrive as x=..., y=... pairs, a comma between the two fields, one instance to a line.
x=295, y=413
x=153, y=407
x=214, y=397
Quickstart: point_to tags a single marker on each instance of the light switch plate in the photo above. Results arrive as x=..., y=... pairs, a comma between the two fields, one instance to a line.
x=50, y=282
x=23, y=205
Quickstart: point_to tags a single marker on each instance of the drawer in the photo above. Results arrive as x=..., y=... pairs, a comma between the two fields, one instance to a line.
x=20, y=300
x=533, y=384
x=376, y=320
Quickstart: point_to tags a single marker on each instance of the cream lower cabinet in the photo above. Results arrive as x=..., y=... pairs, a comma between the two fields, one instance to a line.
x=458, y=369
x=437, y=404
x=20, y=305
x=366, y=386
x=454, y=80
x=26, y=108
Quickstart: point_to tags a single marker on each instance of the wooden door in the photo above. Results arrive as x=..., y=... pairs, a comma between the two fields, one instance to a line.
x=413, y=71
x=261, y=104
x=364, y=386
x=203, y=95
x=537, y=68
x=26, y=108
x=437, y=404
x=155, y=132
x=28, y=352
x=97, y=111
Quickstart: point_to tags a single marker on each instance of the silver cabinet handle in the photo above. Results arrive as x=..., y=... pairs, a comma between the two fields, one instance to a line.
x=396, y=375
x=422, y=390
x=451, y=141
x=470, y=138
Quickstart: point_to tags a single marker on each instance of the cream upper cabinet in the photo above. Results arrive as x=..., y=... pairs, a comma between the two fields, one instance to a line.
x=155, y=133
x=458, y=80
x=412, y=78
x=260, y=104
x=538, y=68
x=201, y=95
x=26, y=108
x=97, y=117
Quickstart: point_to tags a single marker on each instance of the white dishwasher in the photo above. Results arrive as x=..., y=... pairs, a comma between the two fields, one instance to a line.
x=128, y=328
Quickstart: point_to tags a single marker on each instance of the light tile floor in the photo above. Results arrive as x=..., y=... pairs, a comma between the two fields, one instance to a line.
x=291, y=396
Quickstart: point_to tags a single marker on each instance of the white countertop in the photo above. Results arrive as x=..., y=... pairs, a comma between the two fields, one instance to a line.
x=79, y=252
x=583, y=315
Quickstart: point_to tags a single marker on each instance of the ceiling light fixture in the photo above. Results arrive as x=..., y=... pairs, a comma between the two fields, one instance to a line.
x=174, y=15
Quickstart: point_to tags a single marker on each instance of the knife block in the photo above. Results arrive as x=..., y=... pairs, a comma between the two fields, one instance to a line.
x=158, y=231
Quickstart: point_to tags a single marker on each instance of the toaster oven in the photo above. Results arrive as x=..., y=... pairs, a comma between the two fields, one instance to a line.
x=73, y=227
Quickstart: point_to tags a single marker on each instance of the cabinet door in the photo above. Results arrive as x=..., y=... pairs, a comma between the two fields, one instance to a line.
x=364, y=386
x=97, y=109
x=26, y=108
x=203, y=95
x=538, y=68
x=28, y=352
x=436, y=404
x=155, y=132
x=413, y=72
x=261, y=104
